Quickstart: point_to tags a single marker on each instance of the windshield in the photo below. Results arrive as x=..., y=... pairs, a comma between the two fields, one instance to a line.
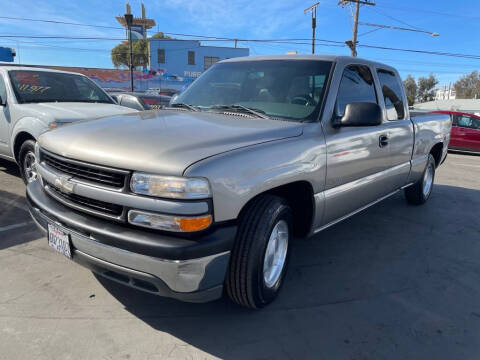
x=45, y=86
x=291, y=89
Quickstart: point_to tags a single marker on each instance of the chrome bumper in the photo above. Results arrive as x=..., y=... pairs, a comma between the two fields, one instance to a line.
x=193, y=279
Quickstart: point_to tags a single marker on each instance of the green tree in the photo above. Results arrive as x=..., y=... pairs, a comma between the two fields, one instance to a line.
x=426, y=86
x=468, y=86
x=411, y=89
x=160, y=35
x=120, y=54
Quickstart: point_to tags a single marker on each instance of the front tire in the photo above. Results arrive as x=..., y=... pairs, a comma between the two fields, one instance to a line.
x=420, y=192
x=260, y=255
x=27, y=161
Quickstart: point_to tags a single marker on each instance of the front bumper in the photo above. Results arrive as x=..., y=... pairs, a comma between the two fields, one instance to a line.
x=190, y=269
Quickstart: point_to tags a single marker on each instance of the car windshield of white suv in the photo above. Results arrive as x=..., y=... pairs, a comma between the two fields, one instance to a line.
x=285, y=89
x=47, y=86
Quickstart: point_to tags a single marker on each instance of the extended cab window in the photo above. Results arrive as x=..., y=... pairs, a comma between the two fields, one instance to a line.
x=356, y=86
x=392, y=94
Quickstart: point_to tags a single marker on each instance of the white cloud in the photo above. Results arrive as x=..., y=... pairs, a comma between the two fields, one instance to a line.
x=261, y=18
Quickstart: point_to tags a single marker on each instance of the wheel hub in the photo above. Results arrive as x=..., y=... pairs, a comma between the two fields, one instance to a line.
x=275, y=254
x=428, y=180
x=30, y=167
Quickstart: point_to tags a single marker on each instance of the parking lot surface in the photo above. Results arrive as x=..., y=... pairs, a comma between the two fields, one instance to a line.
x=393, y=282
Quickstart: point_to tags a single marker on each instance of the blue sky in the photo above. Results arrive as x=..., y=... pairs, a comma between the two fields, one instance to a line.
x=457, y=22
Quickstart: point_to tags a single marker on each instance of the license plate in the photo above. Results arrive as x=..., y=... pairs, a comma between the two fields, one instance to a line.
x=59, y=240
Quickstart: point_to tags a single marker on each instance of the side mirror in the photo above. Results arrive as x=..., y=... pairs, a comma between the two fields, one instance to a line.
x=172, y=99
x=359, y=114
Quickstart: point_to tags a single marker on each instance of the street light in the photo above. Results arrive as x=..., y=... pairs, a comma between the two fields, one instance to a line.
x=129, y=21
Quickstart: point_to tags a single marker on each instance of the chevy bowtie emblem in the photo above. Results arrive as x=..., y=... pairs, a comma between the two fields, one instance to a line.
x=64, y=184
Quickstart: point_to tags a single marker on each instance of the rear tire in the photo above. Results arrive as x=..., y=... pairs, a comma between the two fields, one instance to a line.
x=257, y=270
x=419, y=193
x=27, y=161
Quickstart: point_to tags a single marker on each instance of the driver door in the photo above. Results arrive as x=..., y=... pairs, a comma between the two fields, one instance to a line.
x=357, y=159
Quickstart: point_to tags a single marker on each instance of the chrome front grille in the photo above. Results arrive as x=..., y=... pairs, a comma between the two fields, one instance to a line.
x=92, y=173
x=96, y=206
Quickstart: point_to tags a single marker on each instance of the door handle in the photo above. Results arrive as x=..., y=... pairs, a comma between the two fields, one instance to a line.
x=383, y=141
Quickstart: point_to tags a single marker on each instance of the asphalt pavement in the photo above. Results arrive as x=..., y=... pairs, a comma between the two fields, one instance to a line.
x=393, y=282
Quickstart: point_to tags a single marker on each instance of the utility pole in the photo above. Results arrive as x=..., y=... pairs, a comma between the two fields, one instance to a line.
x=313, y=9
x=352, y=44
x=129, y=21
x=355, y=29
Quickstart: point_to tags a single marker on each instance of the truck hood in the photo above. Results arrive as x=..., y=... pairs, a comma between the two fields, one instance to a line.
x=163, y=142
x=66, y=112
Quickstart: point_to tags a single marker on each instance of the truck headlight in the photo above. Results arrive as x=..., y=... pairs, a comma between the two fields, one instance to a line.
x=169, y=222
x=170, y=186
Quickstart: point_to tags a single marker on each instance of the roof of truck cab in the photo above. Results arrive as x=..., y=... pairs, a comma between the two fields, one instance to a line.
x=339, y=59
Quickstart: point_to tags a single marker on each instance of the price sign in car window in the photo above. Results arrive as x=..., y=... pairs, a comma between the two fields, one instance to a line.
x=27, y=88
x=29, y=82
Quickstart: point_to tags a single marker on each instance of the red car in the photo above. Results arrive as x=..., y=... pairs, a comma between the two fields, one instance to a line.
x=465, y=131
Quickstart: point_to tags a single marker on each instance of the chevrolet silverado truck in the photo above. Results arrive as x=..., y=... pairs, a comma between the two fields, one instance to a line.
x=206, y=196
x=34, y=100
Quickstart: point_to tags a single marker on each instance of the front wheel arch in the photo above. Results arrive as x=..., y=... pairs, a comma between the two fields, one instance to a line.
x=299, y=196
x=18, y=142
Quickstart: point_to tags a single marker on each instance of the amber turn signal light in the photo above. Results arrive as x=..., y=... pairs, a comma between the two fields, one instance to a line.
x=195, y=224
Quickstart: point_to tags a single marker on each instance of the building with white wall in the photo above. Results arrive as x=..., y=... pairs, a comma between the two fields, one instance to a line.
x=445, y=93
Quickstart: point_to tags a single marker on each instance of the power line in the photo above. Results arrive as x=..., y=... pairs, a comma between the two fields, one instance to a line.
x=440, y=53
x=202, y=38
x=395, y=19
x=429, y=63
x=60, y=22
x=369, y=32
x=217, y=38
x=294, y=41
x=412, y=71
x=381, y=26
x=60, y=37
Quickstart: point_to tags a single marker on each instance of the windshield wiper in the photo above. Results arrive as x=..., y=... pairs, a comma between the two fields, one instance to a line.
x=184, y=106
x=237, y=107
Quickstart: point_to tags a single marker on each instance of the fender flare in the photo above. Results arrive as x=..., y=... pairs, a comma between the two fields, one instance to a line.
x=29, y=125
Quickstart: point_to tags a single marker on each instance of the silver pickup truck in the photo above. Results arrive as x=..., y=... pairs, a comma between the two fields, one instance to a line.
x=206, y=196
